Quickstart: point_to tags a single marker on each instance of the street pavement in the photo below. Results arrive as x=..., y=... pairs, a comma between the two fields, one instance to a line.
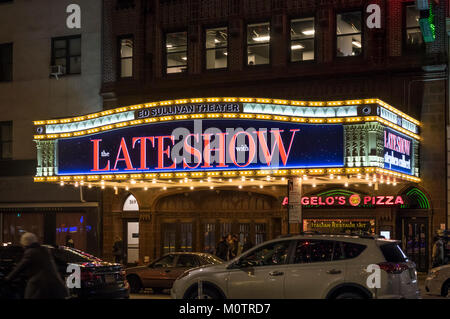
x=148, y=294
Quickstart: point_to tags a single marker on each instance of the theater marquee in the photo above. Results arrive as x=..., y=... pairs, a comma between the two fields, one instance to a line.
x=219, y=137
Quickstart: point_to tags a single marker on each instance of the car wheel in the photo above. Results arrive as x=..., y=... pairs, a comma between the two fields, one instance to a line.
x=445, y=288
x=135, y=284
x=157, y=290
x=349, y=295
x=208, y=293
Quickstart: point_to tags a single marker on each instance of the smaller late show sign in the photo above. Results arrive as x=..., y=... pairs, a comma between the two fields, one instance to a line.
x=354, y=200
x=397, y=152
x=182, y=109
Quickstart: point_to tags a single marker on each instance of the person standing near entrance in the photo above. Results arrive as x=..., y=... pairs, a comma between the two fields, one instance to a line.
x=438, y=252
x=118, y=249
x=222, y=249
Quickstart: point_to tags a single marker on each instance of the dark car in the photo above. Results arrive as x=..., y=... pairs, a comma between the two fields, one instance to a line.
x=162, y=273
x=99, y=279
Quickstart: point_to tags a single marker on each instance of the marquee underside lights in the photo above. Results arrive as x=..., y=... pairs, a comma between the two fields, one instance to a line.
x=213, y=140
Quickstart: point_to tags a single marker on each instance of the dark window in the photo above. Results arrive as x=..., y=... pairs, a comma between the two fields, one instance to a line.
x=216, y=48
x=186, y=237
x=6, y=62
x=302, y=40
x=258, y=43
x=352, y=250
x=312, y=251
x=169, y=234
x=165, y=262
x=6, y=140
x=67, y=256
x=260, y=233
x=187, y=261
x=413, y=34
x=126, y=57
x=349, y=34
x=176, y=52
x=66, y=52
x=209, y=238
x=268, y=255
x=393, y=253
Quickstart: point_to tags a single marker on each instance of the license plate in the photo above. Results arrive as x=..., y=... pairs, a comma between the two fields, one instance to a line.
x=109, y=279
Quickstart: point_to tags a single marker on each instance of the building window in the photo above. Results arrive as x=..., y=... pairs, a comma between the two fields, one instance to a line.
x=216, y=48
x=186, y=237
x=126, y=57
x=302, y=39
x=6, y=140
x=169, y=237
x=349, y=34
x=258, y=44
x=413, y=34
x=260, y=233
x=176, y=52
x=66, y=52
x=209, y=238
x=6, y=62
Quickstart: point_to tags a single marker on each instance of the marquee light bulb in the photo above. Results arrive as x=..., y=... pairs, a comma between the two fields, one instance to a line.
x=331, y=176
x=339, y=177
x=103, y=186
x=90, y=186
x=76, y=184
x=62, y=183
x=145, y=188
x=230, y=180
x=127, y=188
x=346, y=184
x=261, y=186
x=192, y=187
x=211, y=187
x=240, y=186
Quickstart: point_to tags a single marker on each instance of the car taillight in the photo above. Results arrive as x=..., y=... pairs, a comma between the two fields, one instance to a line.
x=393, y=268
x=89, y=276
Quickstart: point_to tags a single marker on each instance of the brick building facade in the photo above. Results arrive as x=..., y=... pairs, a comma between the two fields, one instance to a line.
x=414, y=81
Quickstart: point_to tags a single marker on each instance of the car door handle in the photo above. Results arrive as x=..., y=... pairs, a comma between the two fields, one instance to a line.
x=334, y=271
x=276, y=273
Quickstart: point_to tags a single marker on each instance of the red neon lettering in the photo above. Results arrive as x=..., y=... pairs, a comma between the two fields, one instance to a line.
x=143, y=142
x=126, y=156
x=305, y=200
x=329, y=200
x=380, y=200
x=285, y=201
x=399, y=200
x=278, y=140
x=320, y=201
x=367, y=199
x=389, y=200
x=208, y=150
x=162, y=152
x=193, y=151
x=96, y=154
x=341, y=200
x=251, y=146
x=314, y=200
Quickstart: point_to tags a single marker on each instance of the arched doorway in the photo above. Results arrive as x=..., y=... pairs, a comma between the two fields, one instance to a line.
x=414, y=224
x=131, y=230
x=195, y=221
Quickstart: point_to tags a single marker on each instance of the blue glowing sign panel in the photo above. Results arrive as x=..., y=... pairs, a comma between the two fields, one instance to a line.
x=203, y=145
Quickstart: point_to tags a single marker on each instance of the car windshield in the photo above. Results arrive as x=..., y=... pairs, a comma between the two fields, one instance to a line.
x=212, y=260
x=393, y=253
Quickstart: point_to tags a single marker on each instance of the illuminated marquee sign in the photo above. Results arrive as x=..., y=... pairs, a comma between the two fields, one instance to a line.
x=354, y=200
x=397, y=152
x=203, y=145
x=181, y=109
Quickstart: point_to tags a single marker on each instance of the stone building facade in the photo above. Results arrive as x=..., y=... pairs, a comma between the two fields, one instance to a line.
x=413, y=80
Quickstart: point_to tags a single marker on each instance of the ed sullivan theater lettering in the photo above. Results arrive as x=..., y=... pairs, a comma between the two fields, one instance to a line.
x=224, y=144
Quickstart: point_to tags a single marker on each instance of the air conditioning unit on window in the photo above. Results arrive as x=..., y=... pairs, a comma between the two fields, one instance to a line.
x=57, y=70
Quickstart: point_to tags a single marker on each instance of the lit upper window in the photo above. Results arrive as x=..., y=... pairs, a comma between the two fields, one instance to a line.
x=302, y=39
x=216, y=48
x=258, y=44
x=176, y=52
x=349, y=34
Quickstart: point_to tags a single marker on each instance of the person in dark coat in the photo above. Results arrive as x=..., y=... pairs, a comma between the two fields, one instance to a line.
x=44, y=280
x=118, y=250
x=222, y=249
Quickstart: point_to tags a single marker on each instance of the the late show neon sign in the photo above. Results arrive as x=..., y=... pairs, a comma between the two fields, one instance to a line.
x=162, y=146
x=353, y=200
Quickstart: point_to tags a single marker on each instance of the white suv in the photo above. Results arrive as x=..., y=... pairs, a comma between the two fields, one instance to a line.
x=306, y=266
